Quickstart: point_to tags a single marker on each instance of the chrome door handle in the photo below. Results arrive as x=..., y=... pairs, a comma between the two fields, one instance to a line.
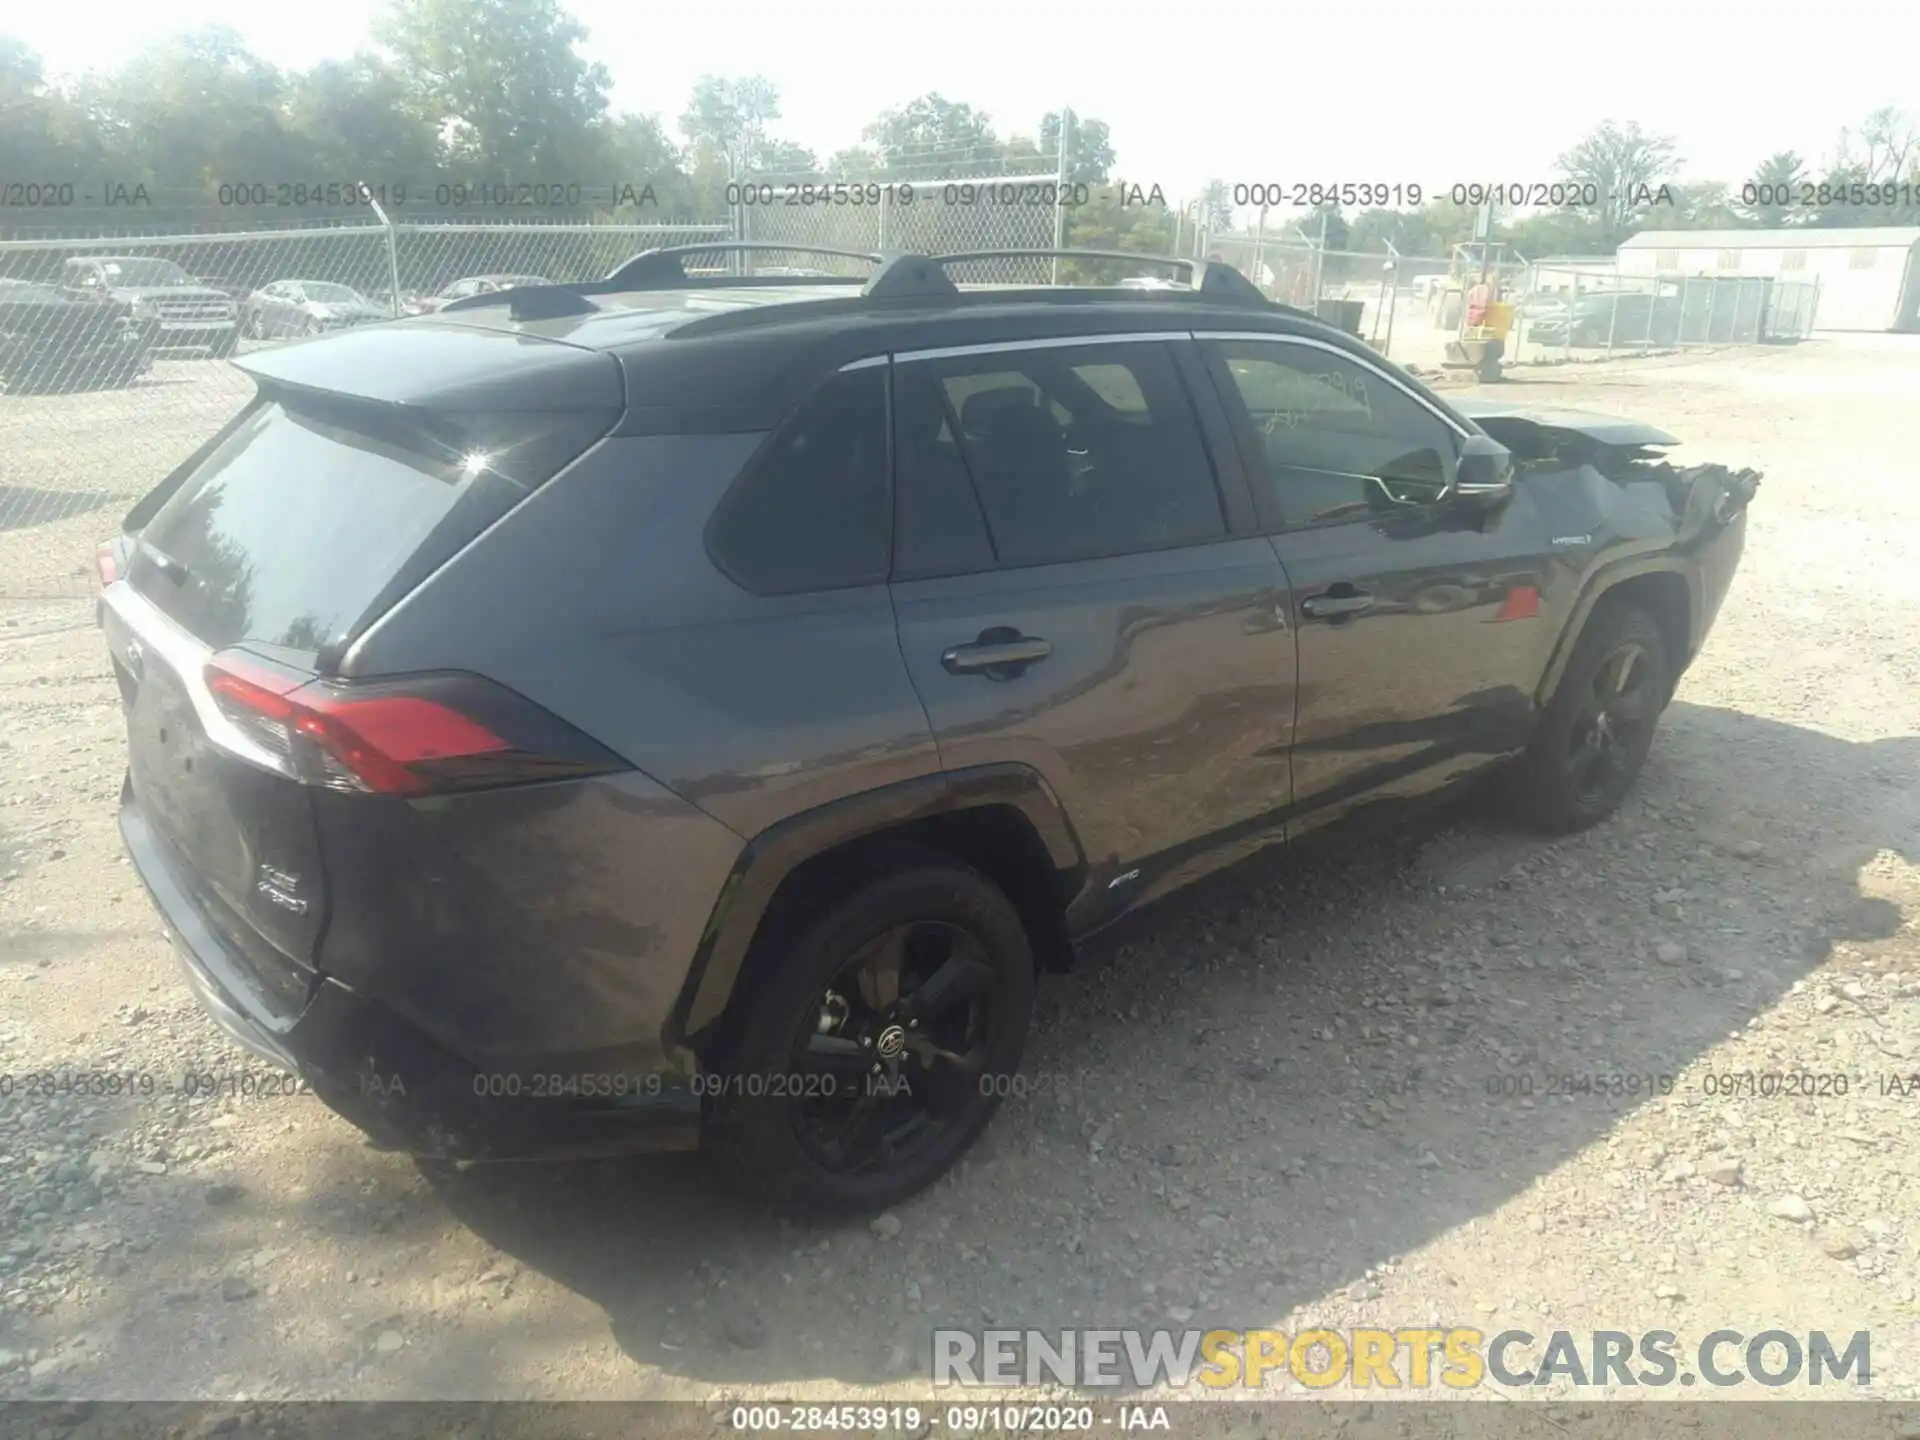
x=1335, y=607
x=991, y=654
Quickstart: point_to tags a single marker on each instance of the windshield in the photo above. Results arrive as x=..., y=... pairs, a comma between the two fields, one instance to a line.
x=145, y=272
x=332, y=294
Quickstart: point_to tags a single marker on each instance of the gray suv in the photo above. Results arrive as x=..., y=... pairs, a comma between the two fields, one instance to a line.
x=684, y=709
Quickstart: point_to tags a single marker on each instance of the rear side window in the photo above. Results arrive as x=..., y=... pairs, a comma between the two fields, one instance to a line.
x=1036, y=456
x=811, y=511
x=304, y=524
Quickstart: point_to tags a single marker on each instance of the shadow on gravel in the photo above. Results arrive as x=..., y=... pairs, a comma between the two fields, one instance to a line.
x=1301, y=1070
x=23, y=505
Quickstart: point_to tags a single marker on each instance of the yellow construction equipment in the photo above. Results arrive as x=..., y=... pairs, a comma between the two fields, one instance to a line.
x=1483, y=333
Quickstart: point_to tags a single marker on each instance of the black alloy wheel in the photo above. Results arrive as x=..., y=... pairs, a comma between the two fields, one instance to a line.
x=898, y=1049
x=1593, y=738
x=876, y=1037
x=1614, y=725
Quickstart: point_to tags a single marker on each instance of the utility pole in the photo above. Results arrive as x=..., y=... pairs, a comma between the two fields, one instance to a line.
x=1060, y=193
x=1259, y=250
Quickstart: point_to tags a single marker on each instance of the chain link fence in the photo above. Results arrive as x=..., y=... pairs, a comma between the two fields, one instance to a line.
x=1572, y=308
x=1589, y=310
x=102, y=400
x=1399, y=304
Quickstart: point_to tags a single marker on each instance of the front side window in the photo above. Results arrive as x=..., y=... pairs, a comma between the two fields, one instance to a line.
x=1337, y=440
x=811, y=511
x=1049, y=454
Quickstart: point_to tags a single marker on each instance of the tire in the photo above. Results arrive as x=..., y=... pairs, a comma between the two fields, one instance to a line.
x=223, y=348
x=1578, y=768
x=827, y=1141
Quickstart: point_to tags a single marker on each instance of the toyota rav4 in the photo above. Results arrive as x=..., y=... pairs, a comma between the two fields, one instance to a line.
x=679, y=709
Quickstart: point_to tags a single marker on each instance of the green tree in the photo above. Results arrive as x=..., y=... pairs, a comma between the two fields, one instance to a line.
x=1213, y=211
x=1889, y=144
x=1450, y=224
x=726, y=124
x=1620, y=162
x=1775, y=187
x=1089, y=146
x=784, y=157
x=636, y=152
x=1106, y=224
x=855, y=162
x=1555, y=232
x=1700, y=205
x=1883, y=151
x=933, y=138
x=44, y=135
x=193, y=110
x=501, y=82
x=352, y=119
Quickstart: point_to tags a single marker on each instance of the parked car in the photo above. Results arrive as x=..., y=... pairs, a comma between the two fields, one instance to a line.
x=306, y=307
x=476, y=285
x=180, y=312
x=49, y=341
x=1622, y=317
x=682, y=723
x=391, y=303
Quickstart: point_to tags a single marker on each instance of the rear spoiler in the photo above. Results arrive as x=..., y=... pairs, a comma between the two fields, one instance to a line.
x=444, y=368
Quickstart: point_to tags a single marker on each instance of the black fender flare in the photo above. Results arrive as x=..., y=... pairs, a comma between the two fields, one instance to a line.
x=776, y=852
x=1599, y=583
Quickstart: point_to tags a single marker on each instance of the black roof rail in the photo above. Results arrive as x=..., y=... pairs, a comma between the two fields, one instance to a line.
x=529, y=302
x=1209, y=277
x=906, y=276
x=661, y=269
x=898, y=275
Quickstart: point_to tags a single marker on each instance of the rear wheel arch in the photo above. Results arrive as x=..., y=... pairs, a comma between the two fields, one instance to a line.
x=1001, y=820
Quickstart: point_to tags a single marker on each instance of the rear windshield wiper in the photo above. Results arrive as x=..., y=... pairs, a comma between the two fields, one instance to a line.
x=173, y=569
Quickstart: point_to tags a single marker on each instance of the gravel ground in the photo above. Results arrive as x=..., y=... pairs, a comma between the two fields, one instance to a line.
x=1293, y=1095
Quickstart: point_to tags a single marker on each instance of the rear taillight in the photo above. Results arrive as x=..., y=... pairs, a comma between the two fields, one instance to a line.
x=419, y=735
x=106, y=564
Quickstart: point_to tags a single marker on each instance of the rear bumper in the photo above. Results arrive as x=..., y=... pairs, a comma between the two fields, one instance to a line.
x=391, y=1080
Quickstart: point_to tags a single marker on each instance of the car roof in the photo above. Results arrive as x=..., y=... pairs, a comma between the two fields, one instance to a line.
x=622, y=321
x=733, y=357
x=736, y=358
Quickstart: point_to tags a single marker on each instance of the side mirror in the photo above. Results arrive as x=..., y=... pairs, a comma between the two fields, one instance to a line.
x=1484, y=474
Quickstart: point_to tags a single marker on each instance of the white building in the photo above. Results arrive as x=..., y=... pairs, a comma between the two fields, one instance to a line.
x=1869, y=278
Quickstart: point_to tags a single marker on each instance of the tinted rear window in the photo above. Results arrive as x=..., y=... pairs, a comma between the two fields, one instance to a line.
x=304, y=525
x=811, y=511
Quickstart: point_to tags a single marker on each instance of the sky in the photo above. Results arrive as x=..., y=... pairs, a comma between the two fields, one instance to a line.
x=1282, y=91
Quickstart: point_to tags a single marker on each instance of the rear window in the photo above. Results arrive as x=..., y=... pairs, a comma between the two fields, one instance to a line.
x=305, y=524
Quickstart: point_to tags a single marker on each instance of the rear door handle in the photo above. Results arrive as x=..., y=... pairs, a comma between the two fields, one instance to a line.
x=986, y=655
x=1341, y=601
